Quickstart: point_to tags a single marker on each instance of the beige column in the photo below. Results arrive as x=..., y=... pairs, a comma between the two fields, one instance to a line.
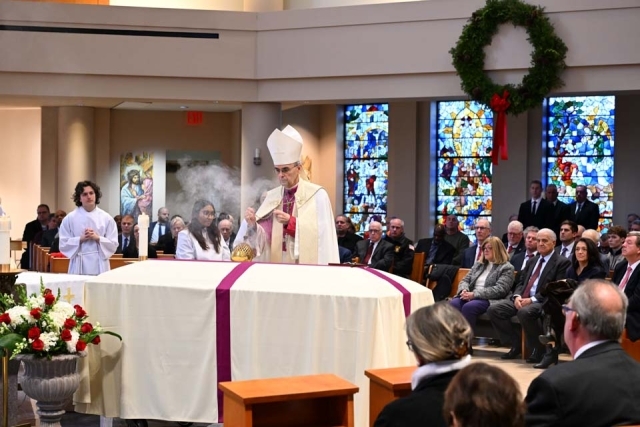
x=263, y=5
x=49, y=156
x=258, y=121
x=76, y=152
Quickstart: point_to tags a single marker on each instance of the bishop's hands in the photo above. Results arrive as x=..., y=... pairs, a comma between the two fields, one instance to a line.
x=281, y=216
x=250, y=217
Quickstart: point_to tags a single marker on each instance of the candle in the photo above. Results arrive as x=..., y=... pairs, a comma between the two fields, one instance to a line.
x=5, y=240
x=257, y=155
x=143, y=235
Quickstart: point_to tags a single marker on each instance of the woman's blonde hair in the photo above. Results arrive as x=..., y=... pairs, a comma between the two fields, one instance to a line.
x=438, y=332
x=500, y=255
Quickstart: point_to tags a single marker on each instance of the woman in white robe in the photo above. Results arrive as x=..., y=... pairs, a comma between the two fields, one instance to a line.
x=202, y=240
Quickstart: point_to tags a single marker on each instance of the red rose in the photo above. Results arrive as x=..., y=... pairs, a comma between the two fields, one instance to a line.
x=36, y=313
x=81, y=345
x=69, y=324
x=65, y=335
x=49, y=299
x=4, y=318
x=34, y=333
x=96, y=340
x=79, y=311
x=86, y=328
x=37, y=345
x=48, y=291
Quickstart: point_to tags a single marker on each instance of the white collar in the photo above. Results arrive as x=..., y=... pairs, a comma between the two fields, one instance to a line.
x=587, y=347
x=437, y=368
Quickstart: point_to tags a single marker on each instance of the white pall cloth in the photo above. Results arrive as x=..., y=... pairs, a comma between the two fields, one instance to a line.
x=71, y=286
x=187, y=325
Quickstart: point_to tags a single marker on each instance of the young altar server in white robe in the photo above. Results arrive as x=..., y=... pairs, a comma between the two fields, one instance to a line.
x=295, y=223
x=202, y=240
x=88, y=235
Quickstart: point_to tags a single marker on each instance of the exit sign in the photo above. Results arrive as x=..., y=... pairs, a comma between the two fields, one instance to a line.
x=194, y=118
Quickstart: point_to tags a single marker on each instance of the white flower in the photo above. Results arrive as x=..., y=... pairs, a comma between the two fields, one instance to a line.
x=71, y=345
x=60, y=312
x=19, y=314
x=36, y=301
x=49, y=339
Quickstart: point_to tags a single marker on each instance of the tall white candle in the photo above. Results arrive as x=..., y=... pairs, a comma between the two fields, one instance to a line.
x=5, y=240
x=143, y=235
x=257, y=155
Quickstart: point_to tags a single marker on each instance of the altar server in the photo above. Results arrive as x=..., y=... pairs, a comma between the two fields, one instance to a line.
x=88, y=235
x=295, y=222
x=202, y=240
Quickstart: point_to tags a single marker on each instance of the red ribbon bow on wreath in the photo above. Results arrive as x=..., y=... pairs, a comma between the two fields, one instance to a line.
x=499, y=105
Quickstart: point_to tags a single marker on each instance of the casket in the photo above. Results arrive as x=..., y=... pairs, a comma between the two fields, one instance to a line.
x=188, y=325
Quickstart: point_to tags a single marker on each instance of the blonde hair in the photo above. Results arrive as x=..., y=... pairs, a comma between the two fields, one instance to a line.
x=500, y=255
x=438, y=332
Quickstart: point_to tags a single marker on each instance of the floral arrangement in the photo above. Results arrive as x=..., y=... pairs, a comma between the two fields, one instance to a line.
x=45, y=326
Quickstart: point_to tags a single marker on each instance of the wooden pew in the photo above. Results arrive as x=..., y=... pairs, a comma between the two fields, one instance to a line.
x=387, y=385
x=462, y=272
x=417, y=270
x=61, y=265
x=166, y=256
x=631, y=347
x=318, y=400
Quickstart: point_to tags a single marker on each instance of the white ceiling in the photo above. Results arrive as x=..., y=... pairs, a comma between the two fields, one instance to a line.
x=210, y=107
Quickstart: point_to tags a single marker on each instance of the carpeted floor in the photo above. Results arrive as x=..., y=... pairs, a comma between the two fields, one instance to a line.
x=520, y=370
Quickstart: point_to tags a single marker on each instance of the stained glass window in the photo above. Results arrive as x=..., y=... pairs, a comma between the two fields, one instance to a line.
x=579, y=135
x=366, y=165
x=463, y=152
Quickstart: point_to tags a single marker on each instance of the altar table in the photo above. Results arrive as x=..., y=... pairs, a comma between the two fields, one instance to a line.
x=188, y=325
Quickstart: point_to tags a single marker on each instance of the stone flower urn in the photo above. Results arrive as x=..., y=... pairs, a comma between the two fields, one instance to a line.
x=51, y=383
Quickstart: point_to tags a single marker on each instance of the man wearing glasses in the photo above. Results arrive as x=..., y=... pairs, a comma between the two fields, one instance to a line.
x=294, y=224
x=601, y=385
x=375, y=252
x=472, y=254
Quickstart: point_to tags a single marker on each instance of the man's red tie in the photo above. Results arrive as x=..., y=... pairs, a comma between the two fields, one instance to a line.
x=532, y=280
x=625, y=279
x=367, y=257
x=510, y=249
x=479, y=253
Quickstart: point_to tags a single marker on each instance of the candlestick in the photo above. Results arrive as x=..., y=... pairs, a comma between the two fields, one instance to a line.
x=143, y=236
x=5, y=241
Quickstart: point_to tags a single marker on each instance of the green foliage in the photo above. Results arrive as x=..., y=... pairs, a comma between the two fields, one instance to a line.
x=547, y=58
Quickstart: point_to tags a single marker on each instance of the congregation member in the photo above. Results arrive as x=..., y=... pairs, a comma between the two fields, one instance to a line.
x=599, y=387
x=125, y=238
x=295, y=223
x=520, y=260
x=346, y=237
x=201, y=240
x=226, y=228
x=375, y=251
x=627, y=277
x=536, y=211
x=133, y=250
x=505, y=240
x=49, y=235
x=561, y=210
x=473, y=253
x=118, y=220
x=436, y=248
x=488, y=282
x=631, y=218
x=31, y=229
x=440, y=340
x=568, y=235
x=456, y=238
x=482, y=395
x=603, y=245
x=526, y=302
x=594, y=236
x=615, y=237
x=515, y=241
x=585, y=265
x=581, y=230
x=232, y=237
x=583, y=211
x=403, y=249
x=167, y=243
x=635, y=225
x=159, y=228
x=88, y=235
x=60, y=214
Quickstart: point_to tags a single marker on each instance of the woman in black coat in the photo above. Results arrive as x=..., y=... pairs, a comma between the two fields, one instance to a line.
x=440, y=339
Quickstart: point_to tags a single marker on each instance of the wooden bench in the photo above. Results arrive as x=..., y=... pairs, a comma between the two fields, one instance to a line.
x=387, y=385
x=318, y=400
x=61, y=265
x=631, y=347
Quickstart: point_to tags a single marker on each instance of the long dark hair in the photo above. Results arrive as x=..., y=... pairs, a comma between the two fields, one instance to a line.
x=195, y=228
x=593, y=255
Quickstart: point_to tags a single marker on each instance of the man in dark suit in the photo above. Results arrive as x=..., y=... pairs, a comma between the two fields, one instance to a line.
x=403, y=249
x=472, y=254
x=31, y=229
x=536, y=211
x=167, y=243
x=346, y=238
x=627, y=277
x=132, y=251
x=527, y=300
x=49, y=235
x=584, y=212
x=375, y=252
x=568, y=233
x=515, y=240
x=126, y=238
x=561, y=210
x=519, y=261
x=437, y=250
x=159, y=228
x=599, y=387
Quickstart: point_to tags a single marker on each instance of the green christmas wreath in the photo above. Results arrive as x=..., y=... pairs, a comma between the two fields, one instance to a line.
x=547, y=58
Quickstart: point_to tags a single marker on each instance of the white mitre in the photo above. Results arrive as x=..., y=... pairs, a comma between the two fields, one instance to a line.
x=285, y=146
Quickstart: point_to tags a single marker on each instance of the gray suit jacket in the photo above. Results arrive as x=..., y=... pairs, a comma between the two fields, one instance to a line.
x=497, y=285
